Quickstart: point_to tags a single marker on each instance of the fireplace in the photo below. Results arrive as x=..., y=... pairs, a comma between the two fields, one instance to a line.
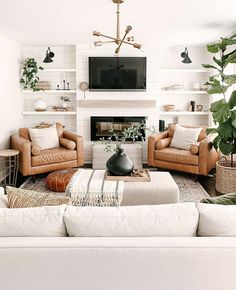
x=101, y=126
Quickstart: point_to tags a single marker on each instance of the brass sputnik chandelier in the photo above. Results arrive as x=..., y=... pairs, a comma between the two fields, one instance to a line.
x=118, y=40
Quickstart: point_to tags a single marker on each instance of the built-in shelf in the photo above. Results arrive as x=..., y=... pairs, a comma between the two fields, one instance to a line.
x=184, y=70
x=183, y=113
x=182, y=92
x=50, y=92
x=117, y=103
x=48, y=113
x=57, y=70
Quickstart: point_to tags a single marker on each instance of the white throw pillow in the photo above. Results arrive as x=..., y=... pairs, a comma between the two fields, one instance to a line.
x=184, y=137
x=33, y=222
x=45, y=138
x=172, y=220
x=216, y=220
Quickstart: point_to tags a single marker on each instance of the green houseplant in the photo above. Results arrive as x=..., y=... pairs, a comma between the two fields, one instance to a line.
x=30, y=79
x=223, y=110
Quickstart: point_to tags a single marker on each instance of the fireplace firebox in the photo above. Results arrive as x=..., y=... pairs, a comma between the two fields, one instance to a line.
x=101, y=126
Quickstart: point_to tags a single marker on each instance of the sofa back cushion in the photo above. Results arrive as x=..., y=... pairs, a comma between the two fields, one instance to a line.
x=32, y=222
x=171, y=130
x=46, y=138
x=172, y=220
x=216, y=220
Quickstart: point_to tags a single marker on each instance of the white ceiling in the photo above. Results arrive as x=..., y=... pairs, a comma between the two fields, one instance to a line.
x=155, y=22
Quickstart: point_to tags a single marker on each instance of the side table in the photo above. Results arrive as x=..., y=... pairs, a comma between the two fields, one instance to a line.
x=9, y=161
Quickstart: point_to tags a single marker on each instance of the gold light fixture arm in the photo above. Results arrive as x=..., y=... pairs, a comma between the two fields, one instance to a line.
x=128, y=29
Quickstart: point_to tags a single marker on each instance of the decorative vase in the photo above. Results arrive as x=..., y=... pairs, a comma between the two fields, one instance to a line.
x=119, y=163
x=40, y=105
x=64, y=105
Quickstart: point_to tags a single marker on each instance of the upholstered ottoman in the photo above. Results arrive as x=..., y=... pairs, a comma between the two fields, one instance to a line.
x=57, y=181
x=161, y=189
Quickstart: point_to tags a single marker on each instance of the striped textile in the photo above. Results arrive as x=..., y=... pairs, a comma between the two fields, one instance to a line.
x=22, y=198
x=90, y=188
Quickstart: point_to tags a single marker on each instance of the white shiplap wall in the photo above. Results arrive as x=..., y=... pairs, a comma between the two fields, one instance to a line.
x=157, y=59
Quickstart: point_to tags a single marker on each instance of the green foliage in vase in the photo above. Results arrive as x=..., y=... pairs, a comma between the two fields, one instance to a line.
x=65, y=99
x=223, y=111
x=129, y=134
x=30, y=79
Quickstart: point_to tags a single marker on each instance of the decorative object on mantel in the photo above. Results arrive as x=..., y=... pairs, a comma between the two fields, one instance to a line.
x=65, y=100
x=174, y=87
x=117, y=39
x=185, y=56
x=43, y=85
x=84, y=87
x=223, y=111
x=137, y=175
x=191, y=107
x=168, y=108
x=43, y=125
x=30, y=79
x=61, y=109
x=40, y=105
x=49, y=56
x=119, y=163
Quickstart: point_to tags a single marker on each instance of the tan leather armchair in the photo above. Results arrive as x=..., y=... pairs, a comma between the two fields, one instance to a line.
x=34, y=161
x=200, y=159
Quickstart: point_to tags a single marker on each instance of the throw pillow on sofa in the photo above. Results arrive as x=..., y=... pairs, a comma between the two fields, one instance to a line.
x=45, y=138
x=184, y=137
x=21, y=198
x=33, y=222
x=226, y=199
x=216, y=220
x=171, y=220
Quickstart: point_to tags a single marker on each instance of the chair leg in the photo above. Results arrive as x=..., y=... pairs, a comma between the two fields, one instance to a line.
x=195, y=177
x=34, y=178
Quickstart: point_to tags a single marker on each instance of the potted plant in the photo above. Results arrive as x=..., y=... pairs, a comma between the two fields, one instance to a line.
x=119, y=163
x=30, y=79
x=223, y=111
x=65, y=100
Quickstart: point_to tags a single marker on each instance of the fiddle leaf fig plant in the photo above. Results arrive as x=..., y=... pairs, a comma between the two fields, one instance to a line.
x=30, y=79
x=223, y=110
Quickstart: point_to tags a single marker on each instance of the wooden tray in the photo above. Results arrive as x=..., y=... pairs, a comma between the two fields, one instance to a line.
x=138, y=175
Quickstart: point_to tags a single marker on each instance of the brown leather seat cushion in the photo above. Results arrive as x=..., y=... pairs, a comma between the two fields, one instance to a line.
x=176, y=156
x=55, y=155
x=57, y=181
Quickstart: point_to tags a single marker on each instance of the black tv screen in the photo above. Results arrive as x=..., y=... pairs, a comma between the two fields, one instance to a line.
x=117, y=73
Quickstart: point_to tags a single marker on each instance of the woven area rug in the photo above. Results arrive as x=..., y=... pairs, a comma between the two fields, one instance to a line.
x=189, y=189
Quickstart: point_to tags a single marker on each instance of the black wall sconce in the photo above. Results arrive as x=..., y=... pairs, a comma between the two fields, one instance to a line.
x=185, y=56
x=49, y=56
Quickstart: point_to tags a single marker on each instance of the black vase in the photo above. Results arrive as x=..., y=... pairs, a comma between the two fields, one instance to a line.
x=119, y=163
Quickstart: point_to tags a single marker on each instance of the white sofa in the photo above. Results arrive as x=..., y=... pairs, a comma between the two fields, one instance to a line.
x=160, y=260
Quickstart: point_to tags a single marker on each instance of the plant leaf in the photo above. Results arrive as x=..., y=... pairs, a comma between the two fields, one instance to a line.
x=211, y=131
x=222, y=114
x=226, y=147
x=225, y=130
x=216, y=142
x=209, y=66
x=233, y=119
x=232, y=100
x=216, y=105
x=213, y=48
x=218, y=61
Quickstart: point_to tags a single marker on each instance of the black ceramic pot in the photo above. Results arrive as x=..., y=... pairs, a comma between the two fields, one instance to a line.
x=119, y=163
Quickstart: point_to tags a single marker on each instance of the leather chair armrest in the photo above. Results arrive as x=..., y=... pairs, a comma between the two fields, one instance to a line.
x=68, y=144
x=152, y=139
x=24, y=146
x=79, y=145
x=208, y=156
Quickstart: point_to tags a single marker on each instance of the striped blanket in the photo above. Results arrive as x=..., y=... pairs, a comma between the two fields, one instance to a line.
x=90, y=188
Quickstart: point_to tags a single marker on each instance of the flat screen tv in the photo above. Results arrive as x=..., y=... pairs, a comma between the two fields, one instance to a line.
x=117, y=73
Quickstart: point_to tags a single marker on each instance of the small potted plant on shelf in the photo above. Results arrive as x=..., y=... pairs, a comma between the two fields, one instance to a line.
x=65, y=101
x=29, y=78
x=223, y=111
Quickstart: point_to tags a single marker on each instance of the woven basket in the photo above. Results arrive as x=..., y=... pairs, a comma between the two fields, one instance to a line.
x=225, y=176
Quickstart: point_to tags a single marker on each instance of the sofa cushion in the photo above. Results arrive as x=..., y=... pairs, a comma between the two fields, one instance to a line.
x=18, y=197
x=176, y=156
x=68, y=144
x=45, y=138
x=216, y=220
x=171, y=130
x=163, y=143
x=194, y=148
x=170, y=220
x=56, y=155
x=32, y=222
x=225, y=199
x=184, y=137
